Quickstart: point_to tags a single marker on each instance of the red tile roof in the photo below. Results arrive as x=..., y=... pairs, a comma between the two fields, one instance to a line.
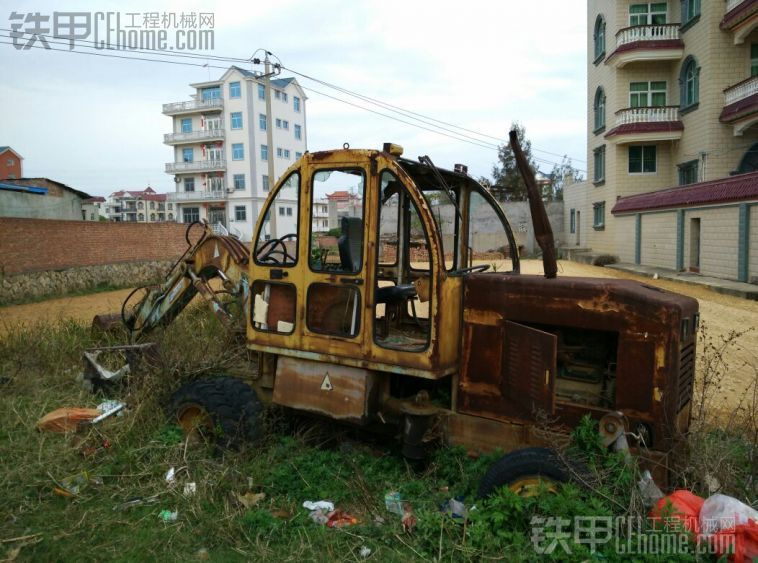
x=723, y=190
x=738, y=109
x=96, y=199
x=738, y=14
x=649, y=44
x=645, y=127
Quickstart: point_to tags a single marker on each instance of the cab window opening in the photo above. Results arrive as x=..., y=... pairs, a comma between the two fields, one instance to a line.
x=278, y=235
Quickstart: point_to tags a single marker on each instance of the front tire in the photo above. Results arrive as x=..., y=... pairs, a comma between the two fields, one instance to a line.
x=222, y=410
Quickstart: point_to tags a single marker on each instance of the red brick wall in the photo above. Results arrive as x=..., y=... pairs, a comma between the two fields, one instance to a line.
x=34, y=245
x=13, y=170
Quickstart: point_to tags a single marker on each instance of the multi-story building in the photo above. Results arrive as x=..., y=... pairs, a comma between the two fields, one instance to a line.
x=672, y=131
x=10, y=164
x=221, y=152
x=140, y=206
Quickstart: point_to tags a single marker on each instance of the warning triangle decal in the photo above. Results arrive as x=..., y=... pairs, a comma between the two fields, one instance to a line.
x=326, y=385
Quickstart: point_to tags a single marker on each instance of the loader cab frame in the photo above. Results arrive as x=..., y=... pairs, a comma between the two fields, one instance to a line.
x=383, y=289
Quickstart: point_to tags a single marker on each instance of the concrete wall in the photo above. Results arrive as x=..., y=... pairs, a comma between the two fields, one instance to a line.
x=520, y=219
x=658, y=240
x=719, y=228
x=36, y=245
x=753, y=241
x=66, y=206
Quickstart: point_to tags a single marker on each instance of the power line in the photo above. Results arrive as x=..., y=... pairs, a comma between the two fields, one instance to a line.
x=438, y=130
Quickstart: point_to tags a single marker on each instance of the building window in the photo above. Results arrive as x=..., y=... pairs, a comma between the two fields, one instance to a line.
x=648, y=14
x=277, y=94
x=264, y=152
x=572, y=221
x=264, y=183
x=599, y=37
x=688, y=172
x=152, y=205
x=279, y=152
x=298, y=132
x=278, y=123
x=239, y=181
x=188, y=155
x=284, y=96
x=647, y=94
x=187, y=125
x=289, y=212
x=598, y=215
x=690, y=10
x=170, y=216
x=599, y=108
x=642, y=159
x=212, y=93
x=281, y=211
x=238, y=151
x=689, y=83
x=191, y=214
x=286, y=153
x=234, y=90
x=240, y=213
x=141, y=217
x=236, y=120
x=262, y=121
x=296, y=103
x=285, y=125
x=599, y=161
x=261, y=92
x=754, y=59
x=152, y=216
x=298, y=155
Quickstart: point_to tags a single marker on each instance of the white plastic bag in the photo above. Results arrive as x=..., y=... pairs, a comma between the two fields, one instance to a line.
x=721, y=512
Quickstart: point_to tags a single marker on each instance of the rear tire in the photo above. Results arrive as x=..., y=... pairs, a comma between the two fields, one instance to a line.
x=523, y=471
x=222, y=410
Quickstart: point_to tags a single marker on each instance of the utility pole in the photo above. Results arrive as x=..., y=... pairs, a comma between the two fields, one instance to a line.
x=270, y=144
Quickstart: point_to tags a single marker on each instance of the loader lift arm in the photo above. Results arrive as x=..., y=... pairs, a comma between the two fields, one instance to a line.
x=211, y=256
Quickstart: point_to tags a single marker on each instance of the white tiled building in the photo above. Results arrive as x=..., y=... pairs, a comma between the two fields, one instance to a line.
x=220, y=163
x=672, y=130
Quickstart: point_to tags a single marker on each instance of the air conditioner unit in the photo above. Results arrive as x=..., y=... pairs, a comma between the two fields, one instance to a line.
x=230, y=190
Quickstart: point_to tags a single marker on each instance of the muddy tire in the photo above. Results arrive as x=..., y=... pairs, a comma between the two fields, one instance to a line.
x=224, y=411
x=527, y=470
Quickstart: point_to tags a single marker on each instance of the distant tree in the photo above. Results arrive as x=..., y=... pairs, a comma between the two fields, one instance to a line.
x=563, y=174
x=507, y=181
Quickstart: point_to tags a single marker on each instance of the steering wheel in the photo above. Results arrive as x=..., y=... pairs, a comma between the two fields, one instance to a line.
x=469, y=270
x=272, y=247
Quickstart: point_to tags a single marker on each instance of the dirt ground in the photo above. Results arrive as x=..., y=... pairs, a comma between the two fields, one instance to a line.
x=721, y=313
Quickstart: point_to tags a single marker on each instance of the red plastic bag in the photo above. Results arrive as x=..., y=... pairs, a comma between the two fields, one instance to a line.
x=741, y=542
x=679, y=511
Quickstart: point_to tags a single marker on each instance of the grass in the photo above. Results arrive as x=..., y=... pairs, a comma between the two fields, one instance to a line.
x=100, y=287
x=298, y=461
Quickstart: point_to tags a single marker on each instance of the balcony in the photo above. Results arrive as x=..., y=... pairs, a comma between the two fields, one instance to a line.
x=645, y=43
x=202, y=195
x=741, y=18
x=195, y=166
x=634, y=125
x=741, y=105
x=193, y=136
x=193, y=106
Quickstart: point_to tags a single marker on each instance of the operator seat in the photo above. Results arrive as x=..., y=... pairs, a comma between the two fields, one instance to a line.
x=350, y=243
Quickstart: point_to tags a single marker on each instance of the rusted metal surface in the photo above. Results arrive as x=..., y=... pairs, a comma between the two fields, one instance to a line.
x=543, y=232
x=340, y=392
x=646, y=321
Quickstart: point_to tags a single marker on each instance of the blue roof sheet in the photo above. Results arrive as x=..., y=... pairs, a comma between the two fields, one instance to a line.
x=28, y=189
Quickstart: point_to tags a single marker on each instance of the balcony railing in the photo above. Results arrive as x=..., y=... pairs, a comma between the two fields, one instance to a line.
x=663, y=32
x=195, y=166
x=741, y=90
x=193, y=105
x=193, y=136
x=647, y=115
x=732, y=4
x=197, y=196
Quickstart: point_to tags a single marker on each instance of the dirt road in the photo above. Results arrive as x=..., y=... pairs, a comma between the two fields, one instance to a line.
x=721, y=313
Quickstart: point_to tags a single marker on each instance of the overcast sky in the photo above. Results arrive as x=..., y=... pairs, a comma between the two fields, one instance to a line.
x=95, y=123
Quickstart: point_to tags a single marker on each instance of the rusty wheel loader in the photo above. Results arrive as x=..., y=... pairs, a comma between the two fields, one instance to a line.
x=417, y=318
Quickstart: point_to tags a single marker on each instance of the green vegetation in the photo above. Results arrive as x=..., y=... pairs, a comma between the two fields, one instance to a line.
x=299, y=460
